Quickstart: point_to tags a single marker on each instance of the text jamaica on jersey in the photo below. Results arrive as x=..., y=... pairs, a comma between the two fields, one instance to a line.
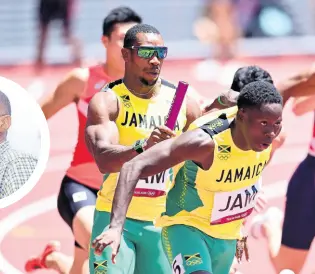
x=240, y=174
x=145, y=121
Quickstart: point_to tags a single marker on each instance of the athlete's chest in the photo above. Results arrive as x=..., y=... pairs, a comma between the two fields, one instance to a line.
x=233, y=183
x=238, y=171
x=144, y=115
x=231, y=171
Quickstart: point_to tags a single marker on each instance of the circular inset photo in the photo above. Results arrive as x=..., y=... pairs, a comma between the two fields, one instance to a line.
x=24, y=142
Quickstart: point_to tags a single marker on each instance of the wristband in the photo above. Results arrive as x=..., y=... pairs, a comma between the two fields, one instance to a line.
x=139, y=145
x=220, y=102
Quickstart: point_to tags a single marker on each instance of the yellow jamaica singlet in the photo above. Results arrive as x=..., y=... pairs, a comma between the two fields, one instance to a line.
x=216, y=201
x=136, y=120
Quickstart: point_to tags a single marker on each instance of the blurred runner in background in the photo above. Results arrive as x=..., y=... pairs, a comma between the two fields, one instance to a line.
x=79, y=187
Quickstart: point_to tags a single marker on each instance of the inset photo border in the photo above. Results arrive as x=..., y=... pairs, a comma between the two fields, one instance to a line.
x=28, y=134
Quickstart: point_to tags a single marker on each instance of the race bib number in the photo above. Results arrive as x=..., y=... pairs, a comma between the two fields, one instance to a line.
x=234, y=205
x=153, y=186
x=177, y=265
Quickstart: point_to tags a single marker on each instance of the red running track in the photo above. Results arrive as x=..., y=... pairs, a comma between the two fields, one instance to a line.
x=24, y=235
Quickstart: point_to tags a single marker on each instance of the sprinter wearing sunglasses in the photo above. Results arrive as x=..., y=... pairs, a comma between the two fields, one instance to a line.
x=79, y=186
x=125, y=118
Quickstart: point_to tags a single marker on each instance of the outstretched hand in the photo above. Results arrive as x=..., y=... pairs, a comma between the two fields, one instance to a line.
x=110, y=237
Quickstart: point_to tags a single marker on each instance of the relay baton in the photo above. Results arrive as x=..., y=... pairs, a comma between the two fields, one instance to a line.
x=176, y=104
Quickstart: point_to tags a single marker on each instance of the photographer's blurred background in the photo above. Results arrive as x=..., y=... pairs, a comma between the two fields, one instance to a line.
x=192, y=28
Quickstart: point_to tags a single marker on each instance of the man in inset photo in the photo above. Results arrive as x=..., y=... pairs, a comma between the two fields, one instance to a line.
x=15, y=167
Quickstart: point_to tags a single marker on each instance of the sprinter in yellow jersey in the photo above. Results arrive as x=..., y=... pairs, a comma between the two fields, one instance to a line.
x=124, y=119
x=215, y=189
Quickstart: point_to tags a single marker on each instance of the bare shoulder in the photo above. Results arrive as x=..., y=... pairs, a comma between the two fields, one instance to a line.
x=104, y=103
x=203, y=138
x=196, y=145
x=198, y=139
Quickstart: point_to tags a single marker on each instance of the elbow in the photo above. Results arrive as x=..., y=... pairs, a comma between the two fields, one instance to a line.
x=104, y=166
x=106, y=169
x=107, y=162
x=133, y=167
x=96, y=149
x=97, y=153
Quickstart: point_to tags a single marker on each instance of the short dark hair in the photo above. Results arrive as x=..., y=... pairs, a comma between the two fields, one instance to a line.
x=258, y=93
x=131, y=35
x=119, y=15
x=249, y=74
x=5, y=104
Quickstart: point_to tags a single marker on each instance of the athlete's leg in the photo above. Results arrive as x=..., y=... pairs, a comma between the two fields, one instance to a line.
x=45, y=16
x=222, y=254
x=150, y=256
x=80, y=263
x=299, y=221
x=186, y=250
x=82, y=230
x=70, y=39
x=82, y=225
x=298, y=230
x=299, y=216
x=50, y=258
x=234, y=266
x=76, y=207
x=125, y=259
x=42, y=40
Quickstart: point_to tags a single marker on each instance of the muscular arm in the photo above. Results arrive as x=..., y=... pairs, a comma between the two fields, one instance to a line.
x=193, y=145
x=67, y=92
x=101, y=134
